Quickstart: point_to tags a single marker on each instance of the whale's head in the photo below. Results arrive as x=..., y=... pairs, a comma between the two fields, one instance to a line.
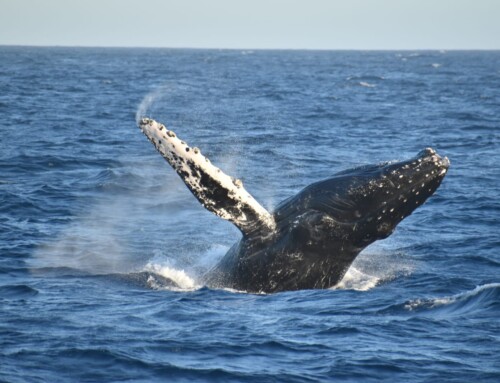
x=387, y=193
x=361, y=205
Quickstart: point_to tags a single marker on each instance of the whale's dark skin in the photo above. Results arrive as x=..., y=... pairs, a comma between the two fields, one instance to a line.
x=312, y=238
x=322, y=229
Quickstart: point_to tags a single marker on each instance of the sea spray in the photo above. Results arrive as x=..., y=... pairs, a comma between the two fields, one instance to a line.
x=94, y=242
x=178, y=276
x=185, y=276
x=357, y=280
x=144, y=107
x=375, y=265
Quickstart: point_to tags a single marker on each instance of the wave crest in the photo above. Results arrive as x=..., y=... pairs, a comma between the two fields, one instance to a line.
x=480, y=296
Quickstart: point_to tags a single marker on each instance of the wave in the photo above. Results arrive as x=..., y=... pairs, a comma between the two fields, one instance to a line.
x=17, y=292
x=147, y=364
x=365, y=78
x=478, y=300
x=481, y=294
x=367, y=84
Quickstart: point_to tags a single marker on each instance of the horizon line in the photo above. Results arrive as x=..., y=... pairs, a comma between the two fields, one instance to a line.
x=244, y=48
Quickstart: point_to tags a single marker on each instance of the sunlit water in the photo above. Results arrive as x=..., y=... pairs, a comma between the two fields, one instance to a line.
x=93, y=221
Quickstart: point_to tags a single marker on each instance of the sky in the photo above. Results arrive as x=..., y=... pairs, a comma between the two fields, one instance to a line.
x=253, y=24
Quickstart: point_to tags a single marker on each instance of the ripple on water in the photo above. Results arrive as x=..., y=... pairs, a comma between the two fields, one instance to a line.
x=17, y=292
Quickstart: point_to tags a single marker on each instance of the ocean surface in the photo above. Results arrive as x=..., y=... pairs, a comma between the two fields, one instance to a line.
x=92, y=218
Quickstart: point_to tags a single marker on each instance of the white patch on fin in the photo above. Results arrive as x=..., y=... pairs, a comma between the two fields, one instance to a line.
x=221, y=194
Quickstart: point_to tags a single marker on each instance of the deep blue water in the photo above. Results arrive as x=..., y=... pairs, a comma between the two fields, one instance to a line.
x=86, y=205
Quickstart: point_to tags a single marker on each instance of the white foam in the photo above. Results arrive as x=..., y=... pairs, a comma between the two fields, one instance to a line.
x=357, y=280
x=178, y=276
x=186, y=275
x=367, y=84
x=375, y=265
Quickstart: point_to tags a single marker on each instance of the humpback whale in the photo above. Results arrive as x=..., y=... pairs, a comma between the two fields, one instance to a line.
x=310, y=239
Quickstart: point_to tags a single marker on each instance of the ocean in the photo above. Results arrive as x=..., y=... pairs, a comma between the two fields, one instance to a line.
x=92, y=218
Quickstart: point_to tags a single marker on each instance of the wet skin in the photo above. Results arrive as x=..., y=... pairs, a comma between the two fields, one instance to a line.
x=312, y=238
x=320, y=231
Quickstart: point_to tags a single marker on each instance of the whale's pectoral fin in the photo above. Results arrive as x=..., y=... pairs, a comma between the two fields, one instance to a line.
x=221, y=194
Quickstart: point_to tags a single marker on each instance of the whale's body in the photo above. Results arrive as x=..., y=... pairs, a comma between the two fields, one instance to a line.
x=311, y=239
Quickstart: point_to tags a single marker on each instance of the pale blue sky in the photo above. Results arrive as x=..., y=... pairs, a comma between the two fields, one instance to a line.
x=309, y=24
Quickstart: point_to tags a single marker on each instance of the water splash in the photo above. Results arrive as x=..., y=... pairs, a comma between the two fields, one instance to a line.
x=178, y=276
x=355, y=279
x=186, y=277
x=373, y=266
x=149, y=99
